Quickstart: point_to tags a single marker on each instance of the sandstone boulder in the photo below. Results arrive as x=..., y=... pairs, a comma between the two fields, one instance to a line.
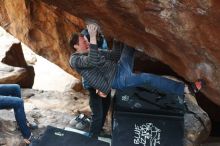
x=182, y=34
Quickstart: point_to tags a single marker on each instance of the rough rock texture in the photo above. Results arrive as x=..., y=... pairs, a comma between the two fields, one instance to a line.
x=43, y=28
x=11, y=54
x=10, y=74
x=15, y=57
x=182, y=34
x=197, y=123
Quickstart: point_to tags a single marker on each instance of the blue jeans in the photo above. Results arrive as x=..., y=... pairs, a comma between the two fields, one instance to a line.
x=126, y=78
x=10, y=97
x=99, y=107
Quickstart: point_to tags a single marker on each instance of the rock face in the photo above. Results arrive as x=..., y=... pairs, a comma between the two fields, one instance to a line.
x=196, y=122
x=10, y=74
x=14, y=57
x=43, y=28
x=11, y=54
x=182, y=34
